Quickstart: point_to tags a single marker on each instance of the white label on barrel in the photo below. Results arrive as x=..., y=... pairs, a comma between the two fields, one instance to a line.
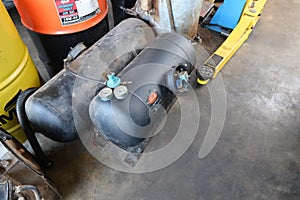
x=86, y=7
x=76, y=11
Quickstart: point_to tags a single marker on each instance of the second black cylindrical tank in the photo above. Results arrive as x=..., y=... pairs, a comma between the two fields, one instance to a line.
x=151, y=94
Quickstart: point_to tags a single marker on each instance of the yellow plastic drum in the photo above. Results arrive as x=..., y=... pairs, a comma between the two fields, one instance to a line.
x=17, y=73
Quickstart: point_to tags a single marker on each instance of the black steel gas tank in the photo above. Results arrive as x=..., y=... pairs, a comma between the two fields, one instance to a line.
x=135, y=110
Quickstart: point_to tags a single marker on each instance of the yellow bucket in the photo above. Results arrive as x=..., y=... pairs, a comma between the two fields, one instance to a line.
x=17, y=73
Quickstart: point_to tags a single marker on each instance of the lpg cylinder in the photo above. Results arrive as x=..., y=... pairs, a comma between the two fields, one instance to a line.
x=137, y=110
x=57, y=25
x=17, y=73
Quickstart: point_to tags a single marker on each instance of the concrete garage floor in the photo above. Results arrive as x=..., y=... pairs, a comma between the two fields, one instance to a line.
x=258, y=153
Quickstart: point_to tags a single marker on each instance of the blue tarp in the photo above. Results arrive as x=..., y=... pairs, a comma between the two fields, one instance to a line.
x=227, y=15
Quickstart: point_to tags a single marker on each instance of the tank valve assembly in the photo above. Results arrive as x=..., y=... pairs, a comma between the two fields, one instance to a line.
x=113, y=81
x=178, y=78
x=115, y=88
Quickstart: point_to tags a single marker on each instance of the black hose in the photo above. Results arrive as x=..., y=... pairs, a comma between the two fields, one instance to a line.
x=42, y=159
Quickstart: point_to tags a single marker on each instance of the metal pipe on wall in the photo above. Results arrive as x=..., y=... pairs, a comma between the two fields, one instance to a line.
x=186, y=16
x=167, y=15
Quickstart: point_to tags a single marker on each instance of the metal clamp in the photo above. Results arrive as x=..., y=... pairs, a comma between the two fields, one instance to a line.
x=75, y=52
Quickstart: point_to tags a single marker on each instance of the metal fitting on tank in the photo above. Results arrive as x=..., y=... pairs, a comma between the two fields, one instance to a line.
x=121, y=92
x=106, y=94
x=113, y=81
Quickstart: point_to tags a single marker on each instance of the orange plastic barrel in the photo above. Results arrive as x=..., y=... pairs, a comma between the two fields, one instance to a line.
x=57, y=25
x=17, y=73
x=61, y=16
